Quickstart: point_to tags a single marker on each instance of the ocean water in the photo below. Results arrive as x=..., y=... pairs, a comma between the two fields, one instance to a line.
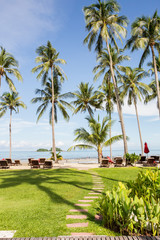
x=85, y=156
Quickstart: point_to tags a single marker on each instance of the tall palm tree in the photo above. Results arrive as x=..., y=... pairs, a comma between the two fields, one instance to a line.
x=135, y=89
x=49, y=61
x=103, y=68
x=106, y=94
x=97, y=137
x=86, y=99
x=103, y=23
x=45, y=100
x=8, y=65
x=12, y=102
x=146, y=34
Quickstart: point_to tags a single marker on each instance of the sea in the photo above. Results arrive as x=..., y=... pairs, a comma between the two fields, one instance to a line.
x=85, y=156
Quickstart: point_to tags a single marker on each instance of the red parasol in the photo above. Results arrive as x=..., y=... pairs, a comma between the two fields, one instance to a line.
x=146, y=150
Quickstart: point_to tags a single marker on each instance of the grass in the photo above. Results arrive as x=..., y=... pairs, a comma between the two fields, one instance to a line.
x=35, y=203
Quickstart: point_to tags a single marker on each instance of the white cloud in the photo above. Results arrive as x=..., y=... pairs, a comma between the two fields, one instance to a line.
x=143, y=110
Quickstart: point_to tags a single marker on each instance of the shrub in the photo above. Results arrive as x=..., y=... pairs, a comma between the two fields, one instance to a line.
x=131, y=158
x=124, y=210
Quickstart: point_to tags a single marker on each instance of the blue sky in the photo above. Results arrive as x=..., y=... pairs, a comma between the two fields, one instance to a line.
x=27, y=24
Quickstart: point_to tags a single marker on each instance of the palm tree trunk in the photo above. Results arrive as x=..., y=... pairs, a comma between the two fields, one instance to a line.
x=10, y=144
x=118, y=101
x=110, y=135
x=99, y=154
x=53, y=133
x=0, y=82
x=142, y=152
x=156, y=78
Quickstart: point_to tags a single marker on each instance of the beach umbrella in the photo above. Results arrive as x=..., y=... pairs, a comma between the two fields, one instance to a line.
x=146, y=149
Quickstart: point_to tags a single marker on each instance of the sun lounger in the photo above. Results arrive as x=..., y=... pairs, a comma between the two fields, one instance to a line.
x=48, y=164
x=42, y=161
x=150, y=162
x=17, y=162
x=9, y=160
x=104, y=162
x=118, y=162
x=35, y=163
x=29, y=161
x=4, y=164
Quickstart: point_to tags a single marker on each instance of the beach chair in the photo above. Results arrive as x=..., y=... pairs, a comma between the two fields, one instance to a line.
x=143, y=158
x=9, y=160
x=42, y=161
x=150, y=162
x=118, y=162
x=104, y=162
x=17, y=162
x=48, y=164
x=35, y=163
x=4, y=164
x=29, y=161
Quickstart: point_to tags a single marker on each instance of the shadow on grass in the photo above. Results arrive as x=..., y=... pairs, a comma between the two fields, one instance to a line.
x=44, y=180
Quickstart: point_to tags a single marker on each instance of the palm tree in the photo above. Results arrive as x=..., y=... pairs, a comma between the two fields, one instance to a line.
x=153, y=95
x=45, y=100
x=12, y=102
x=8, y=65
x=97, y=137
x=106, y=94
x=48, y=59
x=103, y=60
x=146, y=34
x=86, y=99
x=135, y=89
x=103, y=68
x=103, y=23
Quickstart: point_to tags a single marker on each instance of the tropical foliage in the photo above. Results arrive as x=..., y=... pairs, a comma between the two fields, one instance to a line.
x=97, y=137
x=8, y=65
x=49, y=61
x=135, y=90
x=45, y=100
x=86, y=99
x=122, y=208
x=146, y=34
x=11, y=102
x=103, y=25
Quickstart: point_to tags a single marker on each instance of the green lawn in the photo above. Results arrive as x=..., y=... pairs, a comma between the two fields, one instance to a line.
x=36, y=202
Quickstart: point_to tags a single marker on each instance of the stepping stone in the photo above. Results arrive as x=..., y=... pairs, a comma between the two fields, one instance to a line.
x=77, y=225
x=92, y=197
x=92, y=193
x=82, y=205
x=7, y=234
x=98, y=188
x=85, y=200
x=97, y=191
x=81, y=234
x=98, y=217
x=76, y=216
x=78, y=210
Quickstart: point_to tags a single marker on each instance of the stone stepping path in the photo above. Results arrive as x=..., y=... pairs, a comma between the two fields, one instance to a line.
x=76, y=217
x=85, y=200
x=77, y=225
x=96, y=190
x=92, y=197
x=82, y=205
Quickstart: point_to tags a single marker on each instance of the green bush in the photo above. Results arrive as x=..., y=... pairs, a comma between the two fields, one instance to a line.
x=131, y=158
x=129, y=213
x=146, y=185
